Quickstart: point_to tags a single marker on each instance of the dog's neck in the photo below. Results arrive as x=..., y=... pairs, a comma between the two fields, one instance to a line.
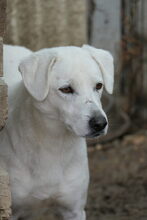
x=42, y=129
x=47, y=137
x=50, y=124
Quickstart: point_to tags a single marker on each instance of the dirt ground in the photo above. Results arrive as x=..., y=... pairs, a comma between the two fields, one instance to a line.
x=118, y=185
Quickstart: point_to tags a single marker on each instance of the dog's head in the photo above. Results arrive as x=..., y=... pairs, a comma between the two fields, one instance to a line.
x=67, y=83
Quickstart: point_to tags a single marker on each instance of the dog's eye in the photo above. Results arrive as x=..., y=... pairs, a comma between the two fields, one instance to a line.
x=67, y=90
x=99, y=86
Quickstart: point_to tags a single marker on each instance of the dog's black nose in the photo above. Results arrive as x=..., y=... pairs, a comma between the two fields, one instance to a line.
x=97, y=123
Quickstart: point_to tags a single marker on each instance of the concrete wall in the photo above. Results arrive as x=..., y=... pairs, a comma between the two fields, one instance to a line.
x=106, y=25
x=37, y=24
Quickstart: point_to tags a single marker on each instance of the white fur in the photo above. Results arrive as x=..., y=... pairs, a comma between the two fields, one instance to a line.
x=43, y=144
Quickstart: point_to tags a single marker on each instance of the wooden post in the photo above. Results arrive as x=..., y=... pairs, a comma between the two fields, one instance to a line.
x=5, y=196
x=132, y=58
x=3, y=87
x=3, y=103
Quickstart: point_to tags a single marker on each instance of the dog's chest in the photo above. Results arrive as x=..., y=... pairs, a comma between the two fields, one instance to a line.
x=49, y=173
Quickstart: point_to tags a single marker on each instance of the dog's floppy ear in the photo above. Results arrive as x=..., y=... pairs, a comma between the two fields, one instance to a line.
x=105, y=62
x=35, y=71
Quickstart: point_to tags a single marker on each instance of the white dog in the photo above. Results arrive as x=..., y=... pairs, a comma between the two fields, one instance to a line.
x=52, y=108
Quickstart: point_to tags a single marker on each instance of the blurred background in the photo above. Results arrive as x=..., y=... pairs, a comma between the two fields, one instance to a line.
x=118, y=161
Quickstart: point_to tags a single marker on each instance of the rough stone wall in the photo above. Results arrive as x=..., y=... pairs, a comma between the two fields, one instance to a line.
x=5, y=196
x=37, y=24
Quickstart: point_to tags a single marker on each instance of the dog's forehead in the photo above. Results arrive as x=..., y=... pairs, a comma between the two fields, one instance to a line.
x=77, y=65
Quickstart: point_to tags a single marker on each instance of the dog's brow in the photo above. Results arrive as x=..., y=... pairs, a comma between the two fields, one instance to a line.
x=96, y=77
x=62, y=82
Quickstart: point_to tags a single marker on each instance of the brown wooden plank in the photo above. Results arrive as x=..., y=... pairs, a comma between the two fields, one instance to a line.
x=1, y=56
x=2, y=16
x=3, y=87
x=3, y=103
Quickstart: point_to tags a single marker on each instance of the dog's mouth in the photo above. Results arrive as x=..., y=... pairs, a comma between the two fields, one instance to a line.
x=91, y=134
x=95, y=134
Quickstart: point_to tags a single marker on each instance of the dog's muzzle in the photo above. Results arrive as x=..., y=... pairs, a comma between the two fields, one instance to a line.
x=97, y=125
